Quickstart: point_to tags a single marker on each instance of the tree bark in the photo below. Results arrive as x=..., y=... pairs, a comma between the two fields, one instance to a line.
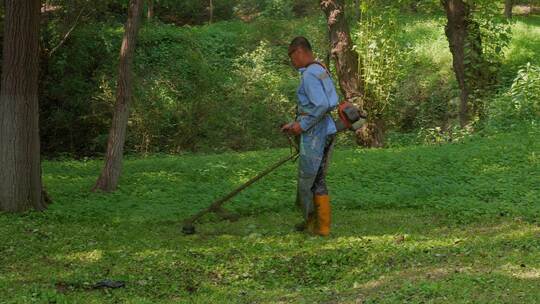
x=371, y=135
x=350, y=80
x=462, y=31
x=211, y=11
x=508, y=6
x=108, y=180
x=20, y=173
x=150, y=12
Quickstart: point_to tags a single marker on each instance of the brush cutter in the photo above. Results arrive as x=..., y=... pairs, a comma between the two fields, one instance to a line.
x=216, y=206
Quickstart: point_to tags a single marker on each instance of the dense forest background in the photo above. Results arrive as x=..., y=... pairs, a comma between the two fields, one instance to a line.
x=214, y=75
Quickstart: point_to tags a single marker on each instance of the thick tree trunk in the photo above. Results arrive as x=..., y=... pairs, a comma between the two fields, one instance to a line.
x=108, y=180
x=371, y=134
x=457, y=13
x=351, y=82
x=150, y=9
x=20, y=168
x=508, y=6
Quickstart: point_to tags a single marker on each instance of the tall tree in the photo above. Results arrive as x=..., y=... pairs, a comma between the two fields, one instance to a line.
x=346, y=59
x=211, y=11
x=20, y=173
x=108, y=180
x=351, y=82
x=508, y=7
x=465, y=43
x=150, y=9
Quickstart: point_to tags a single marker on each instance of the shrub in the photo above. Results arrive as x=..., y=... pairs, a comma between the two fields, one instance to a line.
x=521, y=104
x=225, y=86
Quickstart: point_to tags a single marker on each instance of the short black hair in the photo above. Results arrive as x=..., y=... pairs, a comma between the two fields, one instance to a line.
x=300, y=42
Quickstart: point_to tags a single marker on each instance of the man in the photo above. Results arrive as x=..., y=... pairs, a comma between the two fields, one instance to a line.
x=316, y=98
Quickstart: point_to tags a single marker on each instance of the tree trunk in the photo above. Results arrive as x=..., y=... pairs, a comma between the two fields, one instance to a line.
x=108, y=180
x=351, y=82
x=371, y=135
x=20, y=173
x=508, y=6
x=150, y=12
x=211, y=11
x=457, y=13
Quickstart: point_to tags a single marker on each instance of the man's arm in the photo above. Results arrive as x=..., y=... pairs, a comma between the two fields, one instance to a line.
x=316, y=94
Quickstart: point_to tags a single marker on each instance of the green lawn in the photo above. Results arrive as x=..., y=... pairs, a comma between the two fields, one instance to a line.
x=456, y=223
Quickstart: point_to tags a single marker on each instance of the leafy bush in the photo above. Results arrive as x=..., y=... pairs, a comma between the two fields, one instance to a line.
x=225, y=86
x=76, y=99
x=521, y=104
x=280, y=9
x=381, y=57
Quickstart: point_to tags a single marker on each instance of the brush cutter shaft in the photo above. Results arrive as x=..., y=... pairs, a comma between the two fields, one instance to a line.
x=218, y=203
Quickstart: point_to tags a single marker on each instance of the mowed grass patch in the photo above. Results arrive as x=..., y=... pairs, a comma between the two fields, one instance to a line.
x=447, y=224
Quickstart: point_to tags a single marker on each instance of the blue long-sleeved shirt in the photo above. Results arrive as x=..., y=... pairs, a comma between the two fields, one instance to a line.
x=316, y=94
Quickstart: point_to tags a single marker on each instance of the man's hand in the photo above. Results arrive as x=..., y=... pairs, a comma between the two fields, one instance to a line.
x=292, y=128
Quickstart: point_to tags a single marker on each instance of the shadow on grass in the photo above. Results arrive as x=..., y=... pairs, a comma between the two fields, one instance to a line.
x=160, y=264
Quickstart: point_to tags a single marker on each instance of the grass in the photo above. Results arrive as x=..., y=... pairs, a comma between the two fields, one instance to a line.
x=456, y=223
x=525, y=44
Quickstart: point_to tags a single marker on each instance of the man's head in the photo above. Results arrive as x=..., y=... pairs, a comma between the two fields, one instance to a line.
x=300, y=52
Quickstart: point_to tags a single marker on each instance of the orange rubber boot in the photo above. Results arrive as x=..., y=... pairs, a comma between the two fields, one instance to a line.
x=322, y=204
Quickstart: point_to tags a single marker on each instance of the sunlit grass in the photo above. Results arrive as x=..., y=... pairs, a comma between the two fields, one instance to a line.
x=449, y=224
x=524, y=45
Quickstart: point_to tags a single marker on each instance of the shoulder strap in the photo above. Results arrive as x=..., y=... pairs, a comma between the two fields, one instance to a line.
x=329, y=75
x=320, y=64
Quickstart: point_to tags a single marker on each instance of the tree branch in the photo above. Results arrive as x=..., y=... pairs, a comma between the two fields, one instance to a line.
x=66, y=36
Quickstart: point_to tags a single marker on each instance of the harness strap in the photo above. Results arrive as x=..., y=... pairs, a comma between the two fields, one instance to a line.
x=322, y=65
x=329, y=75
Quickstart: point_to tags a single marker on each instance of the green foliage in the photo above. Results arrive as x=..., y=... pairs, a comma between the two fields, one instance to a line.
x=208, y=88
x=404, y=6
x=77, y=96
x=521, y=104
x=450, y=224
x=427, y=90
x=193, y=11
x=381, y=56
x=489, y=35
x=281, y=9
x=522, y=49
x=197, y=102
x=496, y=32
x=226, y=86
